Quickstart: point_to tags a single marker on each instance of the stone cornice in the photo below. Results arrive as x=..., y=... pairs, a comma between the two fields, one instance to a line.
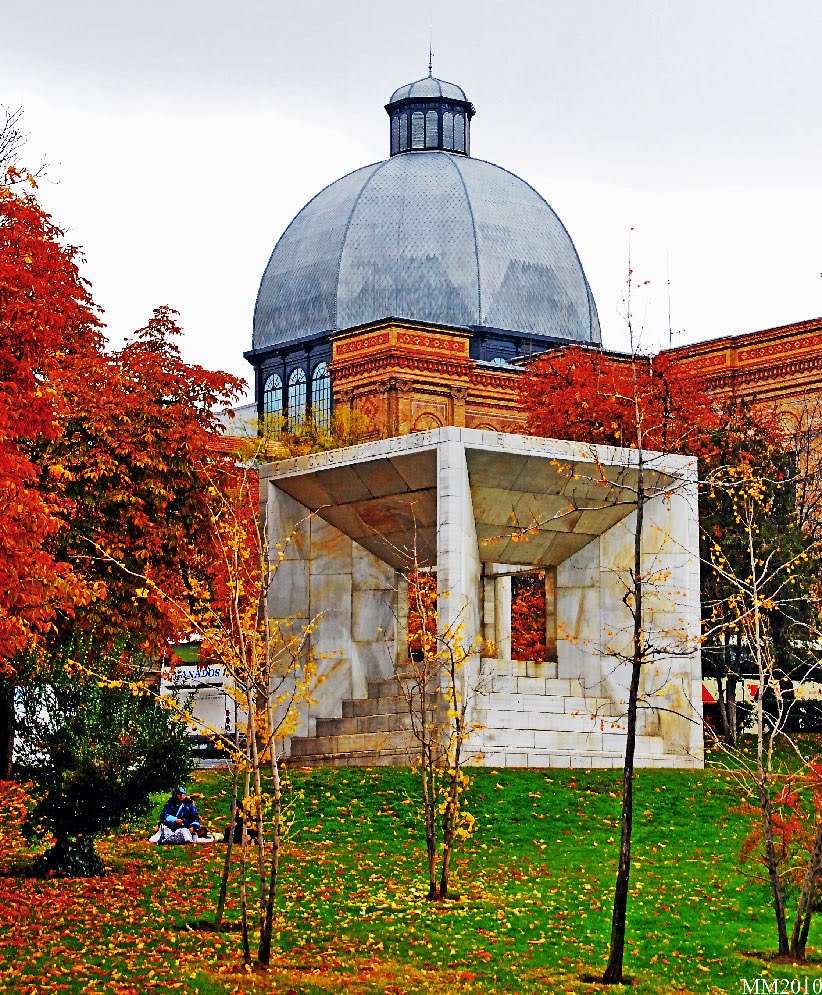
x=753, y=347
x=389, y=361
x=498, y=381
x=782, y=375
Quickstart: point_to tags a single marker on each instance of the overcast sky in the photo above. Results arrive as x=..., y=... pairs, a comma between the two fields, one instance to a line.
x=183, y=137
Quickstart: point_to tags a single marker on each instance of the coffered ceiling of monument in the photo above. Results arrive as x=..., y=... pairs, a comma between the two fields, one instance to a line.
x=527, y=509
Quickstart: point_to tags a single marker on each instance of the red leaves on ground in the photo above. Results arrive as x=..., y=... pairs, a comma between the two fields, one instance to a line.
x=97, y=934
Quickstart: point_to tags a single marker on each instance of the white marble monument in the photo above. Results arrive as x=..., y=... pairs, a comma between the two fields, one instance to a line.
x=477, y=507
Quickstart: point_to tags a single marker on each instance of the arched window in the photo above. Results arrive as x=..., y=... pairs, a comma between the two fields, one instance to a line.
x=273, y=404
x=395, y=135
x=403, y=131
x=296, y=398
x=431, y=136
x=321, y=395
x=417, y=130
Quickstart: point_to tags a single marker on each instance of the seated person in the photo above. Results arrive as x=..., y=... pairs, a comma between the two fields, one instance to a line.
x=180, y=821
x=180, y=812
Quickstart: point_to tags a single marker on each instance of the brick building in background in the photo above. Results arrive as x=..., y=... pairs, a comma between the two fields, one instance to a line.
x=414, y=289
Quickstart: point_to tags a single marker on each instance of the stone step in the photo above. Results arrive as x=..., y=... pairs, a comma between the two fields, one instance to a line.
x=385, y=688
x=361, y=707
x=564, y=687
x=558, y=721
x=352, y=743
x=389, y=687
x=591, y=741
x=380, y=722
x=358, y=758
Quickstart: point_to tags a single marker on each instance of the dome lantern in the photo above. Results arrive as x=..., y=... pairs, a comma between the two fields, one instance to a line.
x=430, y=114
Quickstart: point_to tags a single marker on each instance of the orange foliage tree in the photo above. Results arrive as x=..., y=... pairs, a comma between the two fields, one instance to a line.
x=589, y=396
x=100, y=459
x=528, y=617
x=139, y=442
x=49, y=334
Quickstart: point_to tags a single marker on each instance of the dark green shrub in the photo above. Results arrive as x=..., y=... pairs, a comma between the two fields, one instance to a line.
x=96, y=752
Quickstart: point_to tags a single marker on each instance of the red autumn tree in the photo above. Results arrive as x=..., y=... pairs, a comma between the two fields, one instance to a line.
x=101, y=460
x=141, y=442
x=528, y=617
x=589, y=396
x=49, y=334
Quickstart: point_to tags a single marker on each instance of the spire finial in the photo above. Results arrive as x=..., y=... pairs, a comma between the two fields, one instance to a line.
x=430, y=52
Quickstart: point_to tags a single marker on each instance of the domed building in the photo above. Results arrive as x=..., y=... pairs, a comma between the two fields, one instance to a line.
x=412, y=283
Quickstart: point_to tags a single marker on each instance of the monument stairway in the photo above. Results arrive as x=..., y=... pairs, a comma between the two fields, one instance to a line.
x=372, y=731
x=529, y=717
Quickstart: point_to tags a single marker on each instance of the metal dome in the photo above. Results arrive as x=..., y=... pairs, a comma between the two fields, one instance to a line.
x=431, y=236
x=429, y=86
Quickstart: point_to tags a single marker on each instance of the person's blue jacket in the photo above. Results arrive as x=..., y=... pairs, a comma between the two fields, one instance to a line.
x=175, y=809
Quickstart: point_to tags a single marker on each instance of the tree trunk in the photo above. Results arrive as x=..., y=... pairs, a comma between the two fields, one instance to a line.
x=773, y=871
x=429, y=803
x=218, y=918
x=254, y=760
x=613, y=971
x=758, y=644
x=264, y=952
x=730, y=693
x=449, y=824
x=452, y=808
x=723, y=710
x=801, y=925
x=6, y=728
x=243, y=886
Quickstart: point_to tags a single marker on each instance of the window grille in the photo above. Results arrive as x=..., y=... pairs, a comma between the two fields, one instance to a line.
x=321, y=395
x=447, y=130
x=417, y=130
x=296, y=398
x=459, y=132
x=273, y=403
x=431, y=136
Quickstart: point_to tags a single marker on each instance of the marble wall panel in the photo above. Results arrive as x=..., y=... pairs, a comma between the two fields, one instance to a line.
x=573, y=660
x=288, y=593
x=502, y=616
x=330, y=550
x=578, y=616
x=372, y=616
x=374, y=661
x=371, y=573
x=330, y=596
x=287, y=525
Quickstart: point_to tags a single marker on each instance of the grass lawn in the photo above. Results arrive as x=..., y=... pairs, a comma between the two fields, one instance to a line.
x=535, y=881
